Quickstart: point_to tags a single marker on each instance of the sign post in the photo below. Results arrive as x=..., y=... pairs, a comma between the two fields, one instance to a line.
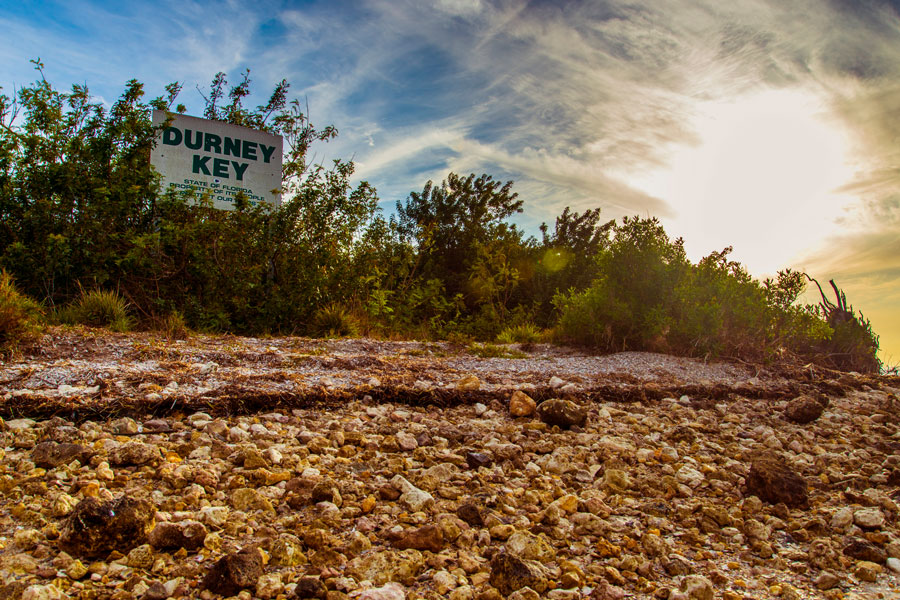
x=218, y=160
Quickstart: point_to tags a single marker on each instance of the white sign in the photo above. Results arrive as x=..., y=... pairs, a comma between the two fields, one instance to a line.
x=217, y=160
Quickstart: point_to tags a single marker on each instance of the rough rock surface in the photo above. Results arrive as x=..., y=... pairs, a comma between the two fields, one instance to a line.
x=510, y=573
x=189, y=535
x=367, y=469
x=49, y=455
x=803, y=410
x=563, y=413
x=95, y=527
x=234, y=572
x=775, y=482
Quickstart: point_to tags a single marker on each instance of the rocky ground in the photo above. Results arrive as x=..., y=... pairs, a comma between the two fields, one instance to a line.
x=135, y=467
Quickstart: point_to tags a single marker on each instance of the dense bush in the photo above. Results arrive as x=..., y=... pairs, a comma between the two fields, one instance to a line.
x=79, y=205
x=20, y=317
x=648, y=296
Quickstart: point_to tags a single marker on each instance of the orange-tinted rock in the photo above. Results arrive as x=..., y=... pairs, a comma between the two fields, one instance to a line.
x=427, y=537
x=521, y=404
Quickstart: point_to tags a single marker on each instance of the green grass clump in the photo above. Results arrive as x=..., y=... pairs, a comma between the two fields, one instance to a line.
x=526, y=333
x=333, y=321
x=20, y=317
x=98, y=308
x=173, y=326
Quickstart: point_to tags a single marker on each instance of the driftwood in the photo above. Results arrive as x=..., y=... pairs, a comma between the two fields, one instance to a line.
x=854, y=345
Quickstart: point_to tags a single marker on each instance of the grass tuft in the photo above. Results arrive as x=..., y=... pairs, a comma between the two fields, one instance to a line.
x=526, y=333
x=20, y=317
x=98, y=308
x=334, y=321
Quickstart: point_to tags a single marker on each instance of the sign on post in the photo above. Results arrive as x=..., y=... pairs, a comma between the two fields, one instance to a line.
x=217, y=160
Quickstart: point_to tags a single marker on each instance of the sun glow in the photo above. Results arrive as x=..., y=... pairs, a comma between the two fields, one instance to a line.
x=763, y=178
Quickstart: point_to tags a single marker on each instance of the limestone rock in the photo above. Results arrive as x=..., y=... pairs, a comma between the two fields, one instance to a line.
x=823, y=555
x=234, y=572
x=189, y=535
x=141, y=557
x=509, y=573
x=521, y=404
x=389, y=591
x=134, y=454
x=269, y=586
x=287, y=551
x=407, y=441
x=427, y=537
x=653, y=545
x=606, y=591
x=49, y=455
x=414, y=498
x=869, y=518
x=803, y=410
x=556, y=382
x=697, y=587
x=468, y=384
x=43, y=592
x=531, y=547
x=867, y=571
x=893, y=564
x=563, y=413
x=826, y=580
x=380, y=567
x=616, y=480
x=95, y=527
x=842, y=518
x=774, y=481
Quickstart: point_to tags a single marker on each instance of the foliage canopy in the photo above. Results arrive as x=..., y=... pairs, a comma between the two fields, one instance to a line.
x=81, y=208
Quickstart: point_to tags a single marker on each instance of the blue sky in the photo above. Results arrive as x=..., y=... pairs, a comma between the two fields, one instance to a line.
x=767, y=125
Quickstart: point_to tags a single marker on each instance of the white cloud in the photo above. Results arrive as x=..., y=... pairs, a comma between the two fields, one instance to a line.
x=460, y=7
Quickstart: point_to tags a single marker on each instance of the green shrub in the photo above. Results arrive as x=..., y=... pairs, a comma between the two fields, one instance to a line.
x=98, y=308
x=334, y=320
x=20, y=317
x=525, y=333
x=650, y=297
x=631, y=304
